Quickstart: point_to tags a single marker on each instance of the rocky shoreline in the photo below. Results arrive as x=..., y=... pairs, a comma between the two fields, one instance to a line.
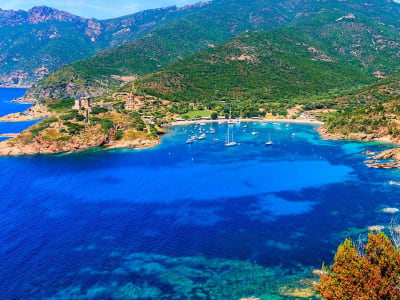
x=38, y=145
x=35, y=112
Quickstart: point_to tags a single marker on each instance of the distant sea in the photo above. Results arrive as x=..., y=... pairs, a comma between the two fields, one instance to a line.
x=181, y=221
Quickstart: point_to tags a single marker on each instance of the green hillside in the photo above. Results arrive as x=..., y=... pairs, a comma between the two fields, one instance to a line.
x=211, y=25
x=373, y=110
x=295, y=65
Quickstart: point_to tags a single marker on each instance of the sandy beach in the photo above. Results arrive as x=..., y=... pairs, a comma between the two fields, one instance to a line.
x=298, y=121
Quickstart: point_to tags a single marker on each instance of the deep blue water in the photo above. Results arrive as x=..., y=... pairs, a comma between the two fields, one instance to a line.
x=177, y=221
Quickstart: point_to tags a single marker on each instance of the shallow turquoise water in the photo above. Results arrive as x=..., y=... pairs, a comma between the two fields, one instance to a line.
x=201, y=221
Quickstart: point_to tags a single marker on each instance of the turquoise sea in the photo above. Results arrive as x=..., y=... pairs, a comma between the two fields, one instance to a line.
x=181, y=221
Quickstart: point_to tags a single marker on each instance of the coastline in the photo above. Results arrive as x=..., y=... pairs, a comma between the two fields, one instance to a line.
x=33, y=113
x=11, y=147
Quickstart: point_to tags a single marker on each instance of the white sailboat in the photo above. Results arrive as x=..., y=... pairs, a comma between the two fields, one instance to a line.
x=231, y=121
x=229, y=142
x=269, y=143
x=212, y=131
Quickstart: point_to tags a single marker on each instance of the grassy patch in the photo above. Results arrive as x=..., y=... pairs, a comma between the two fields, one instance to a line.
x=198, y=114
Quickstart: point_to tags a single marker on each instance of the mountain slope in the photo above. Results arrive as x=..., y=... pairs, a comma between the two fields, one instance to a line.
x=369, y=113
x=36, y=42
x=328, y=54
x=201, y=29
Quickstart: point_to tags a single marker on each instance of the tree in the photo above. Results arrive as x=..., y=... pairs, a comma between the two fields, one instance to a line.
x=375, y=275
x=214, y=115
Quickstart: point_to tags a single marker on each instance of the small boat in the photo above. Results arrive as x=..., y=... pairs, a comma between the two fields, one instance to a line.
x=269, y=143
x=202, y=137
x=391, y=182
x=244, y=126
x=231, y=121
x=229, y=142
x=376, y=227
x=189, y=141
x=220, y=122
x=215, y=140
x=212, y=131
x=202, y=124
x=390, y=210
x=237, y=121
x=254, y=133
x=194, y=137
x=287, y=126
x=293, y=134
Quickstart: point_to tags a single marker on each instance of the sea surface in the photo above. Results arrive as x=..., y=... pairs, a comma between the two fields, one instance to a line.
x=181, y=221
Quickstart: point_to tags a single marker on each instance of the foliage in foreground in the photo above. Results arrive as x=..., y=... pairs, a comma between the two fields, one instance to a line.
x=374, y=274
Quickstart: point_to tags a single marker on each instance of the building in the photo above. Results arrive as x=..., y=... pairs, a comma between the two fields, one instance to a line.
x=82, y=102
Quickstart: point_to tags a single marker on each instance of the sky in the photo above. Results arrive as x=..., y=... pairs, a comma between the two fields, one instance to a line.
x=100, y=9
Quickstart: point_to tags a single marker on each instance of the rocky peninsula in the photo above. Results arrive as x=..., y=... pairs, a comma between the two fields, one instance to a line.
x=66, y=130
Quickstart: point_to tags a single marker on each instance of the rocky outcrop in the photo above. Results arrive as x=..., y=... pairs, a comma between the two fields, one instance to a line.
x=350, y=136
x=389, y=154
x=38, y=145
x=359, y=136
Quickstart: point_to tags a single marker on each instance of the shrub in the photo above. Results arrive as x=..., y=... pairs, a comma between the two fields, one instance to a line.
x=62, y=104
x=119, y=134
x=74, y=128
x=106, y=124
x=98, y=110
x=374, y=275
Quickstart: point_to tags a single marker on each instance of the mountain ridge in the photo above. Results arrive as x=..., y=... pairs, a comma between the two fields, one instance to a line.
x=35, y=43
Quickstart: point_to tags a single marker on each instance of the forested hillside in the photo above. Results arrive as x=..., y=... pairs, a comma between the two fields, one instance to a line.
x=204, y=28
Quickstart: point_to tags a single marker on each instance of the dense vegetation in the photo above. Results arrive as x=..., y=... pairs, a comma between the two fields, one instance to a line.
x=370, y=273
x=200, y=29
x=301, y=64
x=370, y=110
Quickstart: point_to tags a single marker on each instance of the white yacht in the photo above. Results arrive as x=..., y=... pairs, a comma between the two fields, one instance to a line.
x=269, y=143
x=229, y=142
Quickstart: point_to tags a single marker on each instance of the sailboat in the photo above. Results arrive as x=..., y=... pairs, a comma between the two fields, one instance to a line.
x=229, y=142
x=230, y=121
x=269, y=143
x=212, y=131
